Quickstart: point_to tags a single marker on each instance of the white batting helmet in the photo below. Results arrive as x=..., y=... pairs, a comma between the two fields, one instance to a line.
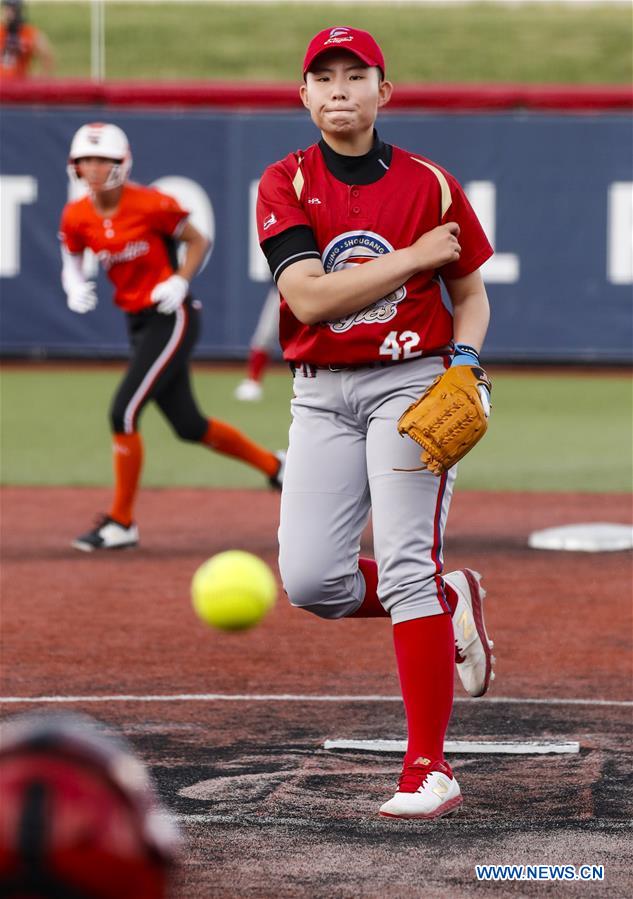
x=107, y=142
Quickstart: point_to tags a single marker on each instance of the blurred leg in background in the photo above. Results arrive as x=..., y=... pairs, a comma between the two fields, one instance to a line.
x=264, y=344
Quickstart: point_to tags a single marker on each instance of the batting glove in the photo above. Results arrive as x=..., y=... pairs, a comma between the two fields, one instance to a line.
x=468, y=355
x=82, y=297
x=170, y=294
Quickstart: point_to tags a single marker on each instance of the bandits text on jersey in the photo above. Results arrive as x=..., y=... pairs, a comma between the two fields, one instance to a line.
x=129, y=252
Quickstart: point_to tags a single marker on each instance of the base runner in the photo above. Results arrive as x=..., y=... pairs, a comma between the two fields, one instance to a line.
x=134, y=230
x=358, y=234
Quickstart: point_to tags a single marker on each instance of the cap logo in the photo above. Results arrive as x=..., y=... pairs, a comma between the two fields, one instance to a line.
x=339, y=36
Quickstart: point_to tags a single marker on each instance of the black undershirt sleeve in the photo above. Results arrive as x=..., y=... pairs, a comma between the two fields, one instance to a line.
x=292, y=245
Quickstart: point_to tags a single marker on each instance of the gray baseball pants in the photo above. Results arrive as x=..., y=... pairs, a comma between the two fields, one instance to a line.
x=343, y=460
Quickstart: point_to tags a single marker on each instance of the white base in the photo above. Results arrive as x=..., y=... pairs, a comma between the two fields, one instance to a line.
x=489, y=747
x=592, y=538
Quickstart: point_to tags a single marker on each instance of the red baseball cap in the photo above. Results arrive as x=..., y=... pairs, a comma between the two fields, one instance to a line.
x=355, y=41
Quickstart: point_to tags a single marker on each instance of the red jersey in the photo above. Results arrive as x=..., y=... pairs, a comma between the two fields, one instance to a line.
x=353, y=224
x=134, y=246
x=15, y=57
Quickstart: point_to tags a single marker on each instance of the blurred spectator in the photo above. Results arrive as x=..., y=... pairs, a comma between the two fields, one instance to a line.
x=264, y=344
x=21, y=43
x=80, y=817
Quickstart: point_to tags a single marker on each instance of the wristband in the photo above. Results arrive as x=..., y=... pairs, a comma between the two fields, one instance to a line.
x=465, y=355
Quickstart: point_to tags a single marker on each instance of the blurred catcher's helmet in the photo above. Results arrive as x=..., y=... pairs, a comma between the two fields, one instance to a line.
x=79, y=817
x=107, y=142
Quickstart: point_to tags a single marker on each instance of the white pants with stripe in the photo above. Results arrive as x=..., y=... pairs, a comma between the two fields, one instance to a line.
x=344, y=452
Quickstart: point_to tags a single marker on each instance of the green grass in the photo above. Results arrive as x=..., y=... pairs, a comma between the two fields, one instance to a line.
x=559, y=432
x=547, y=433
x=480, y=42
x=64, y=437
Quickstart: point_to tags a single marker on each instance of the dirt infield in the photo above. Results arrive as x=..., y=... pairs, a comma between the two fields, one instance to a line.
x=267, y=811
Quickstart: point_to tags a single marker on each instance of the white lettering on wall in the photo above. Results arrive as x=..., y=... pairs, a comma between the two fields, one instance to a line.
x=620, y=233
x=503, y=268
x=15, y=191
x=257, y=263
x=194, y=198
x=77, y=188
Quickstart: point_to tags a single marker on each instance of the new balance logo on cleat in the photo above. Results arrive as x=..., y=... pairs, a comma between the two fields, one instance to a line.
x=465, y=625
x=473, y=648
x=107, y=534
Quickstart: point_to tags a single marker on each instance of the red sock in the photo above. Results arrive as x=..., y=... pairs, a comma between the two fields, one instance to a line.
x=371, y=607
x=229, y=441
x=257, y=362
x=425, y=653
x=127, y=452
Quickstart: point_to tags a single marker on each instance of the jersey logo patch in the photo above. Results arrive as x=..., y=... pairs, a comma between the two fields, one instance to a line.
x=269, y=221
x=356, y=248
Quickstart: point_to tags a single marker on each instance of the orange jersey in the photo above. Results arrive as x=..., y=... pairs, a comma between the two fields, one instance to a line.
x=15, y=60
x=136, y=246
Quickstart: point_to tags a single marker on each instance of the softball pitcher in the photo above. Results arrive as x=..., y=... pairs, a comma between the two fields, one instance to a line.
x=134, y=231
x=358, y=234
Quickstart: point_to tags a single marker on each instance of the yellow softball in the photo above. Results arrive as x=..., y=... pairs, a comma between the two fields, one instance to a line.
x=233, y=590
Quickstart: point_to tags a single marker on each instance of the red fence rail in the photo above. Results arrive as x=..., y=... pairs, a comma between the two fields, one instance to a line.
x=260, y=96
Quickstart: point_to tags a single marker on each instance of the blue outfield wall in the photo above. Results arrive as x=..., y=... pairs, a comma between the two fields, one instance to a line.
x=554, y=192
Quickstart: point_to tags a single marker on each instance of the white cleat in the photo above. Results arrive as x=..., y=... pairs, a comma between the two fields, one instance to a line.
x=107, y=534
x=249, y=391
x=474, y=656
x=438, y=793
